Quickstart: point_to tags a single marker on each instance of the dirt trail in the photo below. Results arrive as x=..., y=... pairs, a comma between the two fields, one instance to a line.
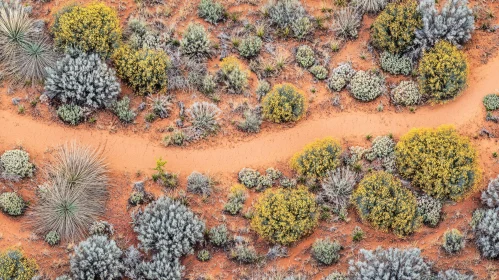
x=131, y=153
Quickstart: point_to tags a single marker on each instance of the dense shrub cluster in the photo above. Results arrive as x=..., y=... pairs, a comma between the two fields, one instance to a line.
x=289, y=16
x=250, y=46
x=317, y=158
x=382, y=201
x=195, y=42
x=487, y=234
x=394, y=29
x=340, y=76
x=453, y=241
x=346, y=22
x=285, y=215
x=199, y=183
x=337, y=187
x=92, y=28
x=491, y=102
x=406, y=93
x=429, y=209
x=82, y=79
x=15, y=163
x=284, y=103
x=490, y=196
x=70, y=114
x=367, y=85
x=439, y=161
x=396, y=64
x=14, y=265
x=11, y=203
x=161, y=266
x=248, y=177
x=211, y=11
x=305, y=56
x=219, y=235
x=326, y=251
x=233, y=75
x=144, y=70
x=442, y=71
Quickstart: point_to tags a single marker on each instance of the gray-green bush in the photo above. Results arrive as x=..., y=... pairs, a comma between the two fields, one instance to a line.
x=70, y=114
x=370, y=6
x=452, y=274
x=161, y=266
x=490, y=196
x=122, y=110
x=199, y=183
x=491, y=102
x=195, y=42
x=219, y=235
x=406, y=93
x=204, y=116
x=161, y=105
x=346, y=22
x=305, y=56
x=326, y=251
x=101, y=228
x=367, y=85
x=250, y=46
x=252, y=121
x=453, y=241
x=487, y=234
x=12, y=204
x=243, y=253
x=429, y=208
x=211, y=11
x=289, y=16
x=248, y=177
x=319, y=72
x=395, y=63
x=15, y=163
x=340, y=76
x=337, y=187
x=52, y=238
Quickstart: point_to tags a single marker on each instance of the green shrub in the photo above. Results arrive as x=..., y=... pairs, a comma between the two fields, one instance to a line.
x=305, y=56
x=70, y=114
x=319, y=72
x=164, y=178
x=441, y=162
x=284, y=103
x=92, y=28
x=357, y=234
x=11, y=203
x=340, y=76
x=211, y=11
x=219, y=235
x=14, y=265
x=243, y=253
x=317, y=158
x=429, y=209
x=16, y=163
x=122, y=110
x=52, y=238
x=442, y=71
x=144, y=70
x=248, y=177
x=285, y=215
x=250, y=46
x=195, y=42
x=491, y=102
x=302, y=27
x=394, y=28
x=367, y=86
x=326, y=252
x=406, y=93
x=233, y=75
x=396, y=64
x=381, y=200
x=453, y=241
x=204, y=255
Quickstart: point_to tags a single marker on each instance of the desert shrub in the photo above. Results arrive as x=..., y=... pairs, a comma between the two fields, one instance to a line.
x=132, y=259
x=336, y=276
x=164, y=178
x=144, y=70
x=284, y=103
x=70, y=114
x=91, y=28
x=381, y=200
x=204, y=255
x=487, y=234
x=101, y=228
x=429, y=209
x=325, y=251
x=491, y=102
x=161, y=105
x=346, y=22
x=317, y=158
x=305, y=56
x=394, y=29
x=406, y=93
x=367, y=85
x=382, y=147
x=237, y=197
x=76, y=192
x=195, y=42
x=490, y=196
x=452, y=274
x=14, y=265
x=251, y=123
x=122, y=110
x=250, y=46
x=287, y=15
x=319, y=72
x=439, y=161
x=199, y=183
x=52, y=238
x=219, y=235
x=12, y=204
x=302, y=27
x=208, y=85
x=243, y=253
x=233, y=75
x=162, y=266
x=262, y=89
x=370, y=6
x=392, y=263
x=248, y=177
x=168, y=226
x=141, y=36
x=285, y=215
x=453, y=241
x=442, y=71
x=82, y=79
x=211, y=11
x=357, y=234
x=454, y=23
x=340, y=76
x=396, y=64
x=96, y=258
x=337, y=187
x=16, y=163
x=204, y=116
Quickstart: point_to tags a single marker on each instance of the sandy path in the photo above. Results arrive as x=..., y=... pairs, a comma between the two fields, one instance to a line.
x=131, y=153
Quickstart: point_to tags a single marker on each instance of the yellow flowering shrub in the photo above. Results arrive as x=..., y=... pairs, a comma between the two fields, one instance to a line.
x=91, y=28
x=442, y=71
x=284, y=103
x=317, y=158
x=382, y=201
x=13, y=265
x=394, y=28
x=285, y=215
x=144, y=70
x=441, y=162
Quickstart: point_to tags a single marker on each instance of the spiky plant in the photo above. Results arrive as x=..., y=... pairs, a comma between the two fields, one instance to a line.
x=161, y=105
x=205, y=116
x=347, y=22
x=337, y=187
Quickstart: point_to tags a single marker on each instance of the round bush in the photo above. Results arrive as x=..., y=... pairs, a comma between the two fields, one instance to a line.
x=305, y=56
x=490, y=196
x=367, y=86
x=453, y=241
x=381, y=200
x=219, y=235
x=325, y=251
x=285, y=215
x=233, y=75
x=70, y=114
x=491, y=102
x=284, y=103
x=406, y=93
x=93, y=28
x=52, y=238
x=250, y=47
x=248, y=177
x=12, y=204
x=82, y=79
x=487, y=234
x=319, y=72
x=396, y=64
x=429, y=209
x=16, y=163
x=14, y=265
x=439, y=161
x=442, y=71
x=317, y=158
x=199, y=183
x=144, y=70
x=195, y=42
x=211, y=11
x=340, y=76
x=382, y=147
x=394, y=28
x=168, y=226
